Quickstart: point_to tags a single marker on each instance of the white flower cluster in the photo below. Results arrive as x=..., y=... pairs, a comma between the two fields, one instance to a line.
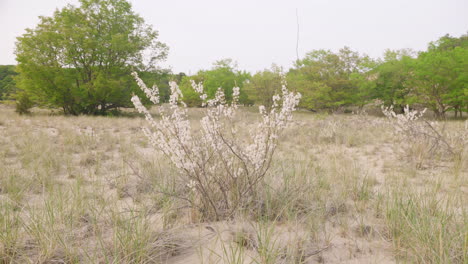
x=152, y=94
x=418, y=134
x=219, y=165
x=198, y=87
x=405, y=123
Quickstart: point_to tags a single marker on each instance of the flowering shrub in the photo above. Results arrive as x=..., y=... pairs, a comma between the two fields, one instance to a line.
x=423, y=139
x=405, y=123
x=219, y=168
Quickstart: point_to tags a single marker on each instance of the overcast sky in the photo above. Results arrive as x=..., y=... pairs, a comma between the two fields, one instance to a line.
x=257, y=33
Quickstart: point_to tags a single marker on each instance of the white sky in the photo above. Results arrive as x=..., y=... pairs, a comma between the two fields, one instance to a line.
x=257, y=33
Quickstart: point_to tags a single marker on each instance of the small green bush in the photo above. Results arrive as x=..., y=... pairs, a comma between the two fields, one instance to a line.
x=23, y=103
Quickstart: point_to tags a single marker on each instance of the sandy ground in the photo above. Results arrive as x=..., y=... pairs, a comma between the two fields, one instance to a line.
x=97, y=172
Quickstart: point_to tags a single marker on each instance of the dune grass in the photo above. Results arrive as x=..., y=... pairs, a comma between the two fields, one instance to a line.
x=92, y=190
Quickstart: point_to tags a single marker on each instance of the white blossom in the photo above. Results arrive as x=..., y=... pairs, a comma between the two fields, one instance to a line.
x=215, y=159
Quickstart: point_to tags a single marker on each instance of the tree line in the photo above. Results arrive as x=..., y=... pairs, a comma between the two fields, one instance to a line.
x=436, y=78
x=80, y=60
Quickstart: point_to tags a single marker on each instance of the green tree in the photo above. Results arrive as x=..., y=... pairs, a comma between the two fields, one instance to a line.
x=191, y=98
x=390, y=77
x=315, y=93
x=328, y=80
x=224, y=75
x=263, y=85
x=161, y=79
x=23, y=103
x=80, y=59
x=7, y=82
x=440, y=74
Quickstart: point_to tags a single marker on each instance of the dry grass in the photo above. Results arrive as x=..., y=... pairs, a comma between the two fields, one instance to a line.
x=91, y=190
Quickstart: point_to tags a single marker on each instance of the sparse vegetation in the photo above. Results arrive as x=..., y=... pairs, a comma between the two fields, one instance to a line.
x=232, y=167
x=92, y=190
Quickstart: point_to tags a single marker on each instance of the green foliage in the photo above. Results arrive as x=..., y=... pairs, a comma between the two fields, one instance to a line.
x=7, y=82
x=263, y=85
x=80, y=59
x=315, y=94
x=23, y=103
x=224, y=75
x=390, y=77
x=440, y=75
x=436, y=78
x=326, y=78
x=161, y=79
x=191, y=98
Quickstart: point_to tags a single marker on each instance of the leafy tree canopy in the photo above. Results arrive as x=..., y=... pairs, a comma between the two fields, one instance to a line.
x=440, y=75
x=7, y=82
x=327, y=79
x=224, y=74
x=80, y=59
x=263, y=85
x=390, y=77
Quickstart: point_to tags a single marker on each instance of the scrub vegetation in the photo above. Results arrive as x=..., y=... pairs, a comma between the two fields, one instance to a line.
x=340, y=188
x=340, y=159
